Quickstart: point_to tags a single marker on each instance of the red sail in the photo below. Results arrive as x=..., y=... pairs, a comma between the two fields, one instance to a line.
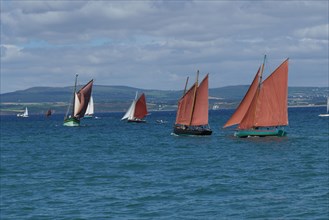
x=84, y=97
x=240, y=112
x=140, y=108
x=200, y=113
x=185, y=107
x=270, y=104
x=272, y=109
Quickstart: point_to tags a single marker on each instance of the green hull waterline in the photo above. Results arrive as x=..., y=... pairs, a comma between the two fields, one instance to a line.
x=260, y=133
x=71, y=122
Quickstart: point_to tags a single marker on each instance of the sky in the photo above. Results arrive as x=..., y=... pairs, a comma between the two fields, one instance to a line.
x=157, y=44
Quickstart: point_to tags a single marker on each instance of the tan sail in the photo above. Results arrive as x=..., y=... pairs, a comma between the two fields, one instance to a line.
x=200, y=113
x=243, y=107
x=270, y=102
x=185, y=106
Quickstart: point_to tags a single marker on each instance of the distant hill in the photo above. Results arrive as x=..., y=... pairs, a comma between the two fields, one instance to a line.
x=118, y=98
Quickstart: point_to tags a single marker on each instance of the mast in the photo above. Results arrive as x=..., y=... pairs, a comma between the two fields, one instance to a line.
x=261, y=71
x=75, y=87
x=185, y=86
x=194, y=96
x=68, y=108
x=259, y=85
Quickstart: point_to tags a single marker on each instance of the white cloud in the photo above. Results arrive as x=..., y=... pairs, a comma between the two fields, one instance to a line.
x=316, y=32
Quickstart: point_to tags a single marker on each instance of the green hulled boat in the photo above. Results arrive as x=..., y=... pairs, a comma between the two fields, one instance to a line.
x=71, y=122
x=260, y=133
x=79, y=104
x=264, y=108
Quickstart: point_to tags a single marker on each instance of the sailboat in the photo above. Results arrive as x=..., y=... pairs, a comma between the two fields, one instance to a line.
x=24, y=115
x=90, y=109
x=79, y=104
x=48, y=113
x=326, y=115
x=137, y=110
x=192, y=111
x=264, y=109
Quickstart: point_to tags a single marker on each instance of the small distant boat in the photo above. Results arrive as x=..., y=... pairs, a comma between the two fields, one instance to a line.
x=48, y=113
x=137, y=110
x=90, y=109
x=326, y=115
x=79, y=104
x=192, y=111
x=264, y=108
x=25, y=114
x=160, y=121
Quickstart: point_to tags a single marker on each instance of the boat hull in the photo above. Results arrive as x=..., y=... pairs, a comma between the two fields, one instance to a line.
x=136, y=121
x=324, y=115
x=71, y=122
x=88, y=116
x=260, y=133
x=197, y=132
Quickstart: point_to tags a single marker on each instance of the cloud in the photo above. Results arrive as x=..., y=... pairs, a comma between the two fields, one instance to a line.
x=156, y=44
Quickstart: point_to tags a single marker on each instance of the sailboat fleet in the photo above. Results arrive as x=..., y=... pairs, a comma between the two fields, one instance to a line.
x=262, y=112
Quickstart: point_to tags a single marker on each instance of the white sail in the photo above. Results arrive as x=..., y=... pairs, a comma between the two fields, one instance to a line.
x=25, y=114
x=90, y=107
x=76, y=104
x=130, y=113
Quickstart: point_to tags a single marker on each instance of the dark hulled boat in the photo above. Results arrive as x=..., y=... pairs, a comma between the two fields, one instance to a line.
x=137, y=110
x=192, y=112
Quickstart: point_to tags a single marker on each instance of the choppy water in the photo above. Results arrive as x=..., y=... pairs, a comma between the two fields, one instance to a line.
x=111, y=169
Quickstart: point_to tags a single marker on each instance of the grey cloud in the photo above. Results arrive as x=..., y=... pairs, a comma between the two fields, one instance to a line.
x=155, y=44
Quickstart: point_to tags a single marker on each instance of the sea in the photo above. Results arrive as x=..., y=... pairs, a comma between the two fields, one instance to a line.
x=111, y=169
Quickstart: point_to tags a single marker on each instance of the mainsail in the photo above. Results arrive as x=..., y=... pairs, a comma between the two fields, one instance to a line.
x=265, y=103
x=82, y=99
x=200, y=113
x=140, y=108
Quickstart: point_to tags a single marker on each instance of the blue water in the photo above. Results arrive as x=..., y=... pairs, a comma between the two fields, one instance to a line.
x=109, y=169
